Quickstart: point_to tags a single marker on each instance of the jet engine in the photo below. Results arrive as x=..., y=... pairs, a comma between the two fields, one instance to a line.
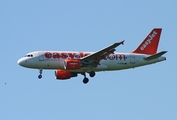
x=63, y=75
x=72, y=64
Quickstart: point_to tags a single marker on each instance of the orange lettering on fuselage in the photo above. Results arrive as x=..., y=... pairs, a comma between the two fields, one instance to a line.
x=116, y=57
x=71, y=55
x=56, y=55
x=65, y=55
x=48, y=55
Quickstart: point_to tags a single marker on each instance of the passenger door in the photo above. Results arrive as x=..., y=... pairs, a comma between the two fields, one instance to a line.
x=41, y=56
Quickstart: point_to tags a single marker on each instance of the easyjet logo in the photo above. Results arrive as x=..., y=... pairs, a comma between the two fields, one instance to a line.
x=65, y=55
x=68, y=55
x=148, y=41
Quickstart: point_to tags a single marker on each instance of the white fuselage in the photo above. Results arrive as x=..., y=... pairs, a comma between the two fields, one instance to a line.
x=55, y=60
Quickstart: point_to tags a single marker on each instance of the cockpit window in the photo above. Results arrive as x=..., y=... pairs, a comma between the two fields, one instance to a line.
x=29, y=55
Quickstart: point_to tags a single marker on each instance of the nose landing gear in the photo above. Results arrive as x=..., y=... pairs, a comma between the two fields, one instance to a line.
x=40, y=74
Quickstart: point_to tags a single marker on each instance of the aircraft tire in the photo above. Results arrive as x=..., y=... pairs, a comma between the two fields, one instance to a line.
x=85, y=80
x=40, y=76
x=92, y=74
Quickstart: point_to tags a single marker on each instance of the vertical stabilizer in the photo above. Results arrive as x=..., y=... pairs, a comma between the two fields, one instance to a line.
x=150, y=43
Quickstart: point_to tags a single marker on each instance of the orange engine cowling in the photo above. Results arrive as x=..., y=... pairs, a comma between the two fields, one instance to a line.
x=72, y=64
x=63, y=75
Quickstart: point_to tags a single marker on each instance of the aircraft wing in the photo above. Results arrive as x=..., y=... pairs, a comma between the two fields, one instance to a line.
x=95, y=58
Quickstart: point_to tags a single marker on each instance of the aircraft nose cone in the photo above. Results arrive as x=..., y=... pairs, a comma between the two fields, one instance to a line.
x=21, y=62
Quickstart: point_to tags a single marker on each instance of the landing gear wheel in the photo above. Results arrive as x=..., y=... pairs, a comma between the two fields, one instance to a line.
x=92, y=74
x=85, y=80
x=39, y=76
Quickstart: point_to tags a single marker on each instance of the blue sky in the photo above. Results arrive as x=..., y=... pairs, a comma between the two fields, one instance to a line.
x=147, y=93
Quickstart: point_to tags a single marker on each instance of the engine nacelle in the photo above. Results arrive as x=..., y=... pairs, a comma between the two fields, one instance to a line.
x=72, y=64
x=63, y=75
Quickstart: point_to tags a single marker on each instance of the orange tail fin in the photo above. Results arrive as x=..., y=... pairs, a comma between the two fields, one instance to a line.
x=150, y=43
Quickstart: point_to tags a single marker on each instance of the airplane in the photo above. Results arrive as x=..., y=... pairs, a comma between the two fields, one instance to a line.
x=68, y=64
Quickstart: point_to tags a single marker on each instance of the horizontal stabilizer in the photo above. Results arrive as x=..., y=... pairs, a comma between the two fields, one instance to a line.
x=155, y=56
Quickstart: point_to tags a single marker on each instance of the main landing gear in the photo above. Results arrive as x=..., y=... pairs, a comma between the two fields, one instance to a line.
x=92, y=74
x=86, y=80
x=40, y=74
